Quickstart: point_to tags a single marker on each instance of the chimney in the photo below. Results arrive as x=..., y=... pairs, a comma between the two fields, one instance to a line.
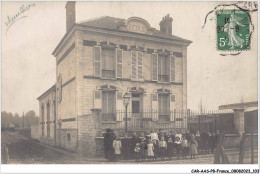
x=70, y=14
x=166, y=25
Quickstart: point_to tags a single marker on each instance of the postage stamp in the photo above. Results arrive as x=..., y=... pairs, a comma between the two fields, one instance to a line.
x=233, y=30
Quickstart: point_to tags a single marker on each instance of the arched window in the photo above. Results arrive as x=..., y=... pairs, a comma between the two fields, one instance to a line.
x=48, y=120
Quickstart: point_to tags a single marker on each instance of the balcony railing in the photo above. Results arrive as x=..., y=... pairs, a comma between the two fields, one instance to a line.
x=108, y=73
x=163, y=78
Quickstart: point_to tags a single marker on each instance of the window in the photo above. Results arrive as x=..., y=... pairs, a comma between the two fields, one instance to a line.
x=42, y=121
x=163, y=68
x=108, y=105
x=137, y=65
x=108, y=63
x=48, y=120
x=164, y=107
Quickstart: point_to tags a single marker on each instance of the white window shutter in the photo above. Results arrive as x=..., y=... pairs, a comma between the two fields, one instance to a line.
x=140, y=65
x=97, y=61
x=154, y=106
x=119, y=62
x=172, y=68
x=119, y=106
x=97, y=99
x=133, y=64
x=154, y=67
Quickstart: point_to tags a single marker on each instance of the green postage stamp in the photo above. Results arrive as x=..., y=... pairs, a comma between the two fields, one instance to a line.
x=233, y=30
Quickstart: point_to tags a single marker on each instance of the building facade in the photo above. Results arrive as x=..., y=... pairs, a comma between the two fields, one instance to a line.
x=98, y=61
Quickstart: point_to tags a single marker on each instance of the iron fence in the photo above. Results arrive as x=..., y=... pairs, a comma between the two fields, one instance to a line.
x=204, y=121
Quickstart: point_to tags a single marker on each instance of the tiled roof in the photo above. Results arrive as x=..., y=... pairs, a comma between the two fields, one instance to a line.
x=111, y=23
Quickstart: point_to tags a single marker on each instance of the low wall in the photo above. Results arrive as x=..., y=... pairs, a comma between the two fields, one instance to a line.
x=67, y=139
x=233, y=141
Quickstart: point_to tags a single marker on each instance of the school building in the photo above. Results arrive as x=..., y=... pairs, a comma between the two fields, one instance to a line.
x=97, y=62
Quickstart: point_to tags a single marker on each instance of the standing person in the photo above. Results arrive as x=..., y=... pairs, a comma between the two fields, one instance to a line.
x=125, y=147
x=216, y=138
x=143, y=149
x=156, y=148
x=150, y=149
x=108, y=144
x=117, y=147
x=170, y=147
x=154, y=135
x=193, y=147
x=209, y=142
x=133, y=142
x=177, y=144
x=137, y=152
x=5, y=154
x=162, y=148
x=185, y=147
x=197, y=138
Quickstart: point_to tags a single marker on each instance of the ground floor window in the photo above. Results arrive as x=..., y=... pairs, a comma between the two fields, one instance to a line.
x=164, y=107
x=108, y=105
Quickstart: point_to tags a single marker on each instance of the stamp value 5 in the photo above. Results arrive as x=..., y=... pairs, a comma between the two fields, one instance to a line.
x=233, y=30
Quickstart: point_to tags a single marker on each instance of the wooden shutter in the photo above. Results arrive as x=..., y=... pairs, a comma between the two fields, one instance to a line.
x=119, y=62
x=172, y=68
x=133, y=64
x=97, y=99
x=154, y=67
x=154, y=106
x=97, y=61
x=140, y=65
x=172, y=111
x=119, y=106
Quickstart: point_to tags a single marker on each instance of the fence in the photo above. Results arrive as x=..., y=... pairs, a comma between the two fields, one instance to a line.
x=172, y=120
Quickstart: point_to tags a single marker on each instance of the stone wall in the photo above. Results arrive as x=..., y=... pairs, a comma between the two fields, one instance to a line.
x=68, y=138
x=35, y=131
x=89, y=126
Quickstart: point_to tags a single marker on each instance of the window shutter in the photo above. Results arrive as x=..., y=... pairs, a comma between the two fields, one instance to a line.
x=140, y=65
x=172, y=68
x=119, y=61
x=97, y=61
x=97, y=99
x=119, y=106
x=172, y=111
x=134, y=64
x=154, y=67
x=154, y=106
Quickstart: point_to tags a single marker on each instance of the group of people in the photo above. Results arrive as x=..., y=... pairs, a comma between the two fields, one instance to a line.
x=157, y=145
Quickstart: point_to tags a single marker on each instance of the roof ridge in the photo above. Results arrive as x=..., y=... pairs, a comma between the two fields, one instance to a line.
x=92, y=19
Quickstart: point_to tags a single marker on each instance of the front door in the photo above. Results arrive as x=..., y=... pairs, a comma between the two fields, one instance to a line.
x=137, y=110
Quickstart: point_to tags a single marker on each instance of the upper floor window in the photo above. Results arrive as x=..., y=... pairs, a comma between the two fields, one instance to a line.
x=163, y=68
x=137, y=65
x=108, y=63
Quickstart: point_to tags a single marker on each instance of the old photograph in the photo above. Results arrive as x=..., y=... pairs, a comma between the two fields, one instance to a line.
x=129, y=82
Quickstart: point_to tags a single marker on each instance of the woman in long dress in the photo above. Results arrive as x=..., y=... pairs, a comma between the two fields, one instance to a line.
x=193, y=147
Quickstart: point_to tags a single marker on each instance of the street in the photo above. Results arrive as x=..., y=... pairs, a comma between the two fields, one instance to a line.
x=28, y=151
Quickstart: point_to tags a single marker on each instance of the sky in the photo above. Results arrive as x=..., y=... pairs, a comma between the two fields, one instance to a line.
x=29, y=69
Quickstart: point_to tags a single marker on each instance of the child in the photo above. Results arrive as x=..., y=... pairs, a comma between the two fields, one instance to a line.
x=170, y=147
x=117, y=147
x=150, y=149
x=162, y=148
x=193, y=147
x=137, y=152
x=142, y=149
x=184, y=145
x=177, y=144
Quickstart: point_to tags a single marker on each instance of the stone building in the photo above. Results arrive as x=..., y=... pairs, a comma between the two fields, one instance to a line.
x=97, y=62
